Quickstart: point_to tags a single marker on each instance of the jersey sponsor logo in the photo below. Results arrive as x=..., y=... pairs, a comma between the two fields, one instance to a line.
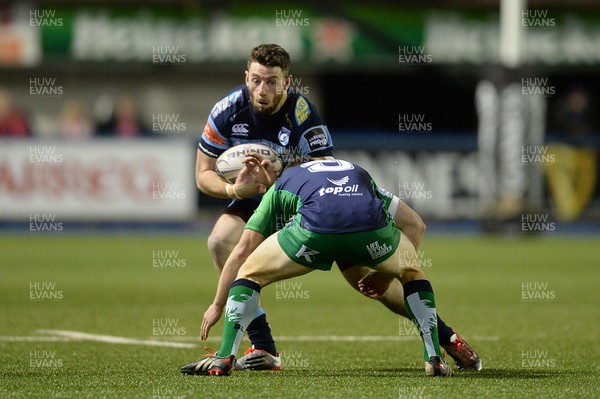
x=341, y=191
x=211, y=136
x=284, y=136
x=302, y=111
x=240, y=129
x=225, y=103
x=377, y=251
x=339, y=182
x=307, y=253
x=316, y=138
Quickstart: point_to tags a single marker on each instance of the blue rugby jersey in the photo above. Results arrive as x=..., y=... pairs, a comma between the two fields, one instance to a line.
x=296, y=129
x=334, y=197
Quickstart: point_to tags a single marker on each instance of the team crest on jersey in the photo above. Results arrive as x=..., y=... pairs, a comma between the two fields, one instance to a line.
x=284, y=136
x=302, y=111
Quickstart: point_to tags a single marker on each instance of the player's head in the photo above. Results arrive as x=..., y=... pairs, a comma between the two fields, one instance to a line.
x=268, y=78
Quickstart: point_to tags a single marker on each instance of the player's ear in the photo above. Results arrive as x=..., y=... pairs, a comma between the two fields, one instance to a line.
x=287, y=82
x=246, y=76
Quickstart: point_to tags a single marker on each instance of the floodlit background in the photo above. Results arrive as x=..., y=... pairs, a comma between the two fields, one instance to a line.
x=108, y=100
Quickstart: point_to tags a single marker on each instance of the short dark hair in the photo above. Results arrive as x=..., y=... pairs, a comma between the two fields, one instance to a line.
x=270, y=55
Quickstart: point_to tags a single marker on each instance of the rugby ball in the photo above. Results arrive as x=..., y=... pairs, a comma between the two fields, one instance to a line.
x=229, y=163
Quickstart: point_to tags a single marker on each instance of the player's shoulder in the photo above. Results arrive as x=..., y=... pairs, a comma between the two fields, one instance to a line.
x=230, y=103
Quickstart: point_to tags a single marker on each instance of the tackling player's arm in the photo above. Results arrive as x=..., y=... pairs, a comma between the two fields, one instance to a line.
x=410, y=223
x=249, y=241
x=406, y=219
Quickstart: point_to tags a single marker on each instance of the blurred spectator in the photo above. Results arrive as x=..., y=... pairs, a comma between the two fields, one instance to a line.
x=12, y=121
x=571, y=170
x=74, y=121
x=125, y=121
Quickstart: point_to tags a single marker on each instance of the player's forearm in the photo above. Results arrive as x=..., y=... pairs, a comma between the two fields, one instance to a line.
x=210, y=183
x=227, y=277
x=414, y=233
x=410, y=223
x=249, y=241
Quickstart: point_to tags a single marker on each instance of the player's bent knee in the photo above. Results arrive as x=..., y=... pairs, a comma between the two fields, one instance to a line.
x=217, y=243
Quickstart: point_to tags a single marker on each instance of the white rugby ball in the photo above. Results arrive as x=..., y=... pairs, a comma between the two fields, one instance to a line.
x=230, y=163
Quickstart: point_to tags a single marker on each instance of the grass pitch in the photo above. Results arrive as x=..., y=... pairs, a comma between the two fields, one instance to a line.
x=529, y=306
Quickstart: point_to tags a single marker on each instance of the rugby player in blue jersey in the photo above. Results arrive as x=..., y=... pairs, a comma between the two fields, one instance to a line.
x=339, y=215
x=265, y=111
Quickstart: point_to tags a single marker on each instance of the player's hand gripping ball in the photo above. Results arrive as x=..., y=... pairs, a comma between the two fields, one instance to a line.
x=230, y=162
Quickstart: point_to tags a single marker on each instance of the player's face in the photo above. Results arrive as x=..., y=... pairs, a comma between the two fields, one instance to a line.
x=268, y=88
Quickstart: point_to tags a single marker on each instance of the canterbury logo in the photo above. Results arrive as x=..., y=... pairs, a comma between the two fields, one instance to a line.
x=240, y=128
x=339, y=182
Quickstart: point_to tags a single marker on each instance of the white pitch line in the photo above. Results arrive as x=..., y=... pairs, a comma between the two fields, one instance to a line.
x=343, y=338
x=111, y=339
x=70, y=336
x=34, y=339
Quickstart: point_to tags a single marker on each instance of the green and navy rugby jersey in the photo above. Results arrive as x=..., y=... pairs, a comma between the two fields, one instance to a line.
x=333, y=197
x=296, y=129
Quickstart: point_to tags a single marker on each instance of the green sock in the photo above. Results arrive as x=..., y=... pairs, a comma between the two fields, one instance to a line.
x=241, y=307
x=420, y=305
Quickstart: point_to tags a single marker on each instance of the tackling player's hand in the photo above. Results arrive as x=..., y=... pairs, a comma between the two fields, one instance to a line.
x=211, y=316
x=261, y=168
x=374, y=284
x=246, y=184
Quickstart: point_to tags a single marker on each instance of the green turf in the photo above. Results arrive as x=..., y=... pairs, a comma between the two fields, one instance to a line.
x=542, y=347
